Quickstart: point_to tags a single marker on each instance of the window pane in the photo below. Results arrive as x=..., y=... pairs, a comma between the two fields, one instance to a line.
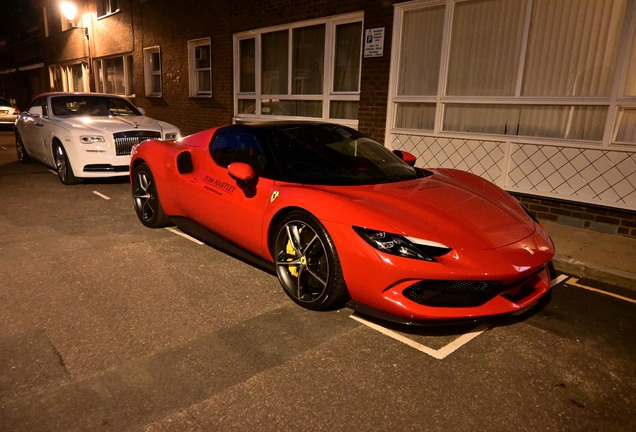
x=203, y=81
x=131, y=75
x=573, y=47
x=155, y=62
x=275, y=62
x=485, y=47
x=302, y=108
x=202, y=56
x=415, y=116
x=421, y=51
x=343, y=110
x=347, y=58
x=548, y=121
x=308, y=59
x=247, y=50
x=627, y=128
x=78, y=78
x=247, y=106
x=114, y=75
x=630, y=85
x=155, y=81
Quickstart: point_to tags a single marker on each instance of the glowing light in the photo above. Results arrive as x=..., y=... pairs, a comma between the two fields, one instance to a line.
x=69, y=10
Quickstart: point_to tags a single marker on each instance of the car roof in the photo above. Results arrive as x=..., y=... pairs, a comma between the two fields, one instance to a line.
x=48, y=94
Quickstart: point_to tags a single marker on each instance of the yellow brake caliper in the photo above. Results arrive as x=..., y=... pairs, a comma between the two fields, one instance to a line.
x=291, y=251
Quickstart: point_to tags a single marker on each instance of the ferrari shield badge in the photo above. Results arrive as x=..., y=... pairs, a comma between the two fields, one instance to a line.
x=529, y=249
x=274, y=195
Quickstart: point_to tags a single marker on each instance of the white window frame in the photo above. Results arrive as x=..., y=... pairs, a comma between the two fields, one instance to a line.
x=109, y=9
x=615, y=103
x=193, y=71
x=99, y=78
x=148, y=73
x=53, y=70
x=327, y=96
x=69, y=84
x=45, y=13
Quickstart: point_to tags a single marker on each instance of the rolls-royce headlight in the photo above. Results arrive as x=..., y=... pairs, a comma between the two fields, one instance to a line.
x=172, y=136
x=90, y=139
x=404, y=246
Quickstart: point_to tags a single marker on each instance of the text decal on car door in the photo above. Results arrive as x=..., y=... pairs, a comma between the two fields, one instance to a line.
x=218, y=184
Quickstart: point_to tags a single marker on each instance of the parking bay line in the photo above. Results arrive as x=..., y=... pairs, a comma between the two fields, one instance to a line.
x=53, y=172
x=184, y=235
x=448, y=349
x=101, y=195
x=574, y=282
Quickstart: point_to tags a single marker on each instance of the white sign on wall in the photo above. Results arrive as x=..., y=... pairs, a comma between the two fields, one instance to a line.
x=374, y=42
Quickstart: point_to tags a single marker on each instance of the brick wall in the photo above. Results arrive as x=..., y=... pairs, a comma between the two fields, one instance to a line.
x=170, y=25
x=602, y=219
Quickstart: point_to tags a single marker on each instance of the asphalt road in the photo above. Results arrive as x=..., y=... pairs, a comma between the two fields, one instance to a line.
x=108, y=325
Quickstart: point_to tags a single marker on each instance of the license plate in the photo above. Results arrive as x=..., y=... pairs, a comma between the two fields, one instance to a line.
x=4, y=112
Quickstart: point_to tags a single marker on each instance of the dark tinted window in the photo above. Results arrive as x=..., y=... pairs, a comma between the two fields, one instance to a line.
x=81, y=105
x=334, y=155
x=238, y=147
x=4, y=102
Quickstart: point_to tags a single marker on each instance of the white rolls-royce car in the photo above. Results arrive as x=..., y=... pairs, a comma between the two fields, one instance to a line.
x=85, y=135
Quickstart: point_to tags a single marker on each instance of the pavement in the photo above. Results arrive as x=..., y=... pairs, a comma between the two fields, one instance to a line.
x=609, y=258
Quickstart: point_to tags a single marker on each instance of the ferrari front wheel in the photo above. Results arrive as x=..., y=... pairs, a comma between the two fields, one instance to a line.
x=146, y=199
x=307, y=263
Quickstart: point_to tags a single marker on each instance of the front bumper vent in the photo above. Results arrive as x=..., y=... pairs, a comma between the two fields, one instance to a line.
x=124, y=141
x=443, y=293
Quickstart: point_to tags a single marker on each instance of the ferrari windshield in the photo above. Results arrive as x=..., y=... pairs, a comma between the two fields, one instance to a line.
x=87, y=105
x=335, y=155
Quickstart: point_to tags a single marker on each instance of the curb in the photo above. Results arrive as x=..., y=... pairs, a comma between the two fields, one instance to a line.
x=581, y=269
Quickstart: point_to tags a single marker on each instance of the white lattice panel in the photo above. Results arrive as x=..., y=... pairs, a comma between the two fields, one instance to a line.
x=605, y=177
x=595, y=176
x=483, y=158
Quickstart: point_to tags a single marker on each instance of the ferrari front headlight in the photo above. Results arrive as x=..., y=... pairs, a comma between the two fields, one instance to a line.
x=404, y=246
x=172, y=136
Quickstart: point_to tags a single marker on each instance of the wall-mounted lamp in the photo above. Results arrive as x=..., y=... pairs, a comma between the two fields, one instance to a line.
x=69, y=11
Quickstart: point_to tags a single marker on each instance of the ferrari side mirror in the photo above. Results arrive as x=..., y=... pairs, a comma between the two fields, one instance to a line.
x=406, y=157
x=241, y=171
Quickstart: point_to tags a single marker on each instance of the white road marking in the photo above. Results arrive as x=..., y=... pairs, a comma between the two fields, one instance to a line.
x=101, y=195
x=558, y=280
x=451, y=347
x=436, y=353
x=4, y=148
x=574, y=282
x=184, y=235
x=53, y=172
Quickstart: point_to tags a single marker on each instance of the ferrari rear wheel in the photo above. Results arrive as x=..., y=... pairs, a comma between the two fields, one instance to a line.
x=64, y=169
x=23, y=155
x=307, y=263
x=146, y=198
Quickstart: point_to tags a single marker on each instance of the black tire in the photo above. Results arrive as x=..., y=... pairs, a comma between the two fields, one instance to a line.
x=63, y=166
x=307, y=263
x=23, y=155
x=146, y=198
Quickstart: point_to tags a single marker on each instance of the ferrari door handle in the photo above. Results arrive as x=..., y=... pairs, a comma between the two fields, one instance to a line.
x=39, y=124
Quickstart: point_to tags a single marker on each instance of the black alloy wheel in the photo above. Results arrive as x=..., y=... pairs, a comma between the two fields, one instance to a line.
x=64, y=168
x=146, y=198
x=307, y=263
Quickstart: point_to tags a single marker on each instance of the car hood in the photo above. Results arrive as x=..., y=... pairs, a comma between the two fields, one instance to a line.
x=114, y=124
x=441, y=208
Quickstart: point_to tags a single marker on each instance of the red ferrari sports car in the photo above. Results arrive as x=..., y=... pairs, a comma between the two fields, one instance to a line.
x=341, y=219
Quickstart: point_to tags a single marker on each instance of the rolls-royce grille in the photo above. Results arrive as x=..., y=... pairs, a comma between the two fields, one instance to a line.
x=124, y=141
